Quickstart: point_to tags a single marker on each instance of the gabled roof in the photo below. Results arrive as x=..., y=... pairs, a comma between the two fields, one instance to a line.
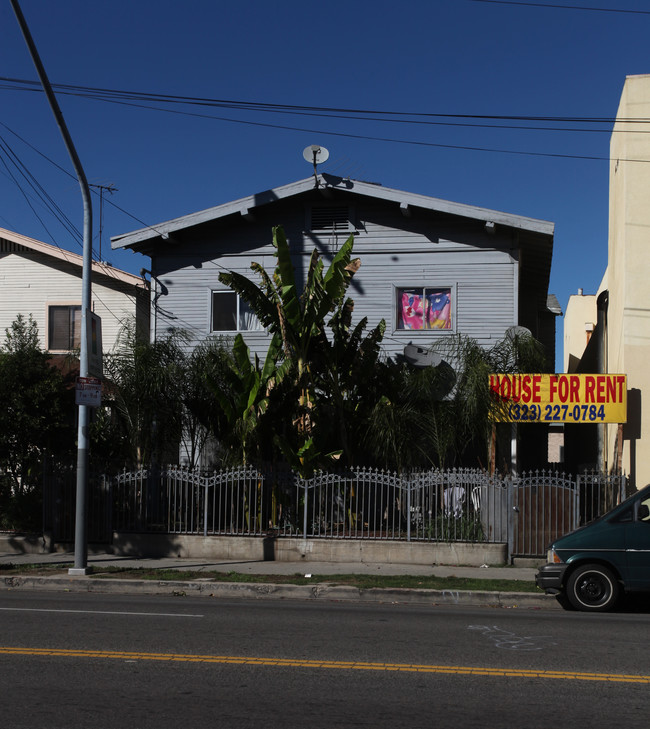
x=246, y=206
x=14, y=242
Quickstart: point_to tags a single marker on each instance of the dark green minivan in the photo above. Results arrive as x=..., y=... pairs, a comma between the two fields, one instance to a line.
x=589, y=568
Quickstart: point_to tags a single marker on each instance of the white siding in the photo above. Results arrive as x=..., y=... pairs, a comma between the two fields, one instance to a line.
x=31, y=281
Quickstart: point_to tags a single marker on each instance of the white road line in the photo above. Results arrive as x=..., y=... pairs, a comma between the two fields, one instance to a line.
x=100, y=612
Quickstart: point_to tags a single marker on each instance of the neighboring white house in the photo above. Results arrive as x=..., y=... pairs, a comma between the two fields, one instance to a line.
x=45, y=281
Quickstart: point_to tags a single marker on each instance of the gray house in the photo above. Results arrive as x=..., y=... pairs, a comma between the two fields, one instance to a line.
x=429, y=267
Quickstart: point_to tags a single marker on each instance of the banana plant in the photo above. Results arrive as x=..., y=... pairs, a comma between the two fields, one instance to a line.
x=350, y=379
x=245, y=397
x=296, y=321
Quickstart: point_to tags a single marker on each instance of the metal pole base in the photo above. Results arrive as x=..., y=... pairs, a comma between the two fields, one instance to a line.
x=80, y=570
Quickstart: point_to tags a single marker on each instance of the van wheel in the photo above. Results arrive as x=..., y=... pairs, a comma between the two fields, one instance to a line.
x=563, y=601
x=592, y=587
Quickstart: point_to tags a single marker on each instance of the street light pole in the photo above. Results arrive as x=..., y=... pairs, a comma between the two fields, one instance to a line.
x=81, y=538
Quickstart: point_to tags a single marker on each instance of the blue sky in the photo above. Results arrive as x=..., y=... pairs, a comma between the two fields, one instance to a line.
x=470, y=60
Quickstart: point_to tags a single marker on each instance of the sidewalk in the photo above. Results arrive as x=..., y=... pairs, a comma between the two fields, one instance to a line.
x=328, y=591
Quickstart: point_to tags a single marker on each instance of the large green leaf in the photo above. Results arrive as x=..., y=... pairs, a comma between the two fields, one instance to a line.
x=258, y=299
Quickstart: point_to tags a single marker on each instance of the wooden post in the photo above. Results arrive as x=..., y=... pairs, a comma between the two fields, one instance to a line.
x=619, y=448
x=493, y=450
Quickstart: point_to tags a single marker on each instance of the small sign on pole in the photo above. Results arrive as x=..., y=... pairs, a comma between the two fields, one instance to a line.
x=88, y=391
x=94, y=340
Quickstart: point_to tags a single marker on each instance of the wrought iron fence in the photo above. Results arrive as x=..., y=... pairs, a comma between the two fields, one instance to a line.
x=527, y=512
x=59, y=506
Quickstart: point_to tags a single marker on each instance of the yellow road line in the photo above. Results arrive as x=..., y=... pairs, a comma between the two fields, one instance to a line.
x=346, y=665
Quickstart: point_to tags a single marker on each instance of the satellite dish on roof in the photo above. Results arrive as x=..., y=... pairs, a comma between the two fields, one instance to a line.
x=515, y=332
x=420, y=357
x=315, y=154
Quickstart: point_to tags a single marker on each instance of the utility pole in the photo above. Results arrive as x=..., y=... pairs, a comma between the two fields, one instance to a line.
x=80, y=537
x=110, y=188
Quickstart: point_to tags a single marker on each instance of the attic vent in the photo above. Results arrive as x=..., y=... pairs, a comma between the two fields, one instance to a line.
x=8, y=246
x=330, y=218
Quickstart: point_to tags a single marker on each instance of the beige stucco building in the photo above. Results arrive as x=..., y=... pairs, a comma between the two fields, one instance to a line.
x=616, y=321
x=579, y=324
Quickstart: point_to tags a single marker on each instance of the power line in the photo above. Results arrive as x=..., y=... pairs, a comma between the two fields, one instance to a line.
x=76, y=234
x=62, y=220
x=119, y=97
x=563, y=7
x=31, y=146
x=69, y=174
x=50, y=205
x=128, y=98
x=392, y=140
x=103, y=94
x=24, y=194
x=38, y=189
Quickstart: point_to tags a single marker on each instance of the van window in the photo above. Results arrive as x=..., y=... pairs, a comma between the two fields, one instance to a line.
x=643, y=512
x=625, y=515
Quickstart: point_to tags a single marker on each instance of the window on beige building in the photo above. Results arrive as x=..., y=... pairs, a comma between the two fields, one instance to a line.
x=63, y=327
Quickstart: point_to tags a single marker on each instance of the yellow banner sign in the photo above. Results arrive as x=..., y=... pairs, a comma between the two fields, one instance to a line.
x=524, y=398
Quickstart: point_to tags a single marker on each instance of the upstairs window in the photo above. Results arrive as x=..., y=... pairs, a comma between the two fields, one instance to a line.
x=330, y=218
x=230, y=313
x=424, y=308
x=63, y=327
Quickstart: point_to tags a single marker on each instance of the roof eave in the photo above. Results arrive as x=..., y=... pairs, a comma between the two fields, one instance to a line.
x=103, y=269
x=243, y=206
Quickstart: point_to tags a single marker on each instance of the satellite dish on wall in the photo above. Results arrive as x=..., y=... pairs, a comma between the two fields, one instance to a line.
x=445, y=376
x=447, y=379
x=420, y=357
x=513, y=333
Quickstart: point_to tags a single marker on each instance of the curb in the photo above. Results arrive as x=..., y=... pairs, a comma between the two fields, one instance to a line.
x=321, y=591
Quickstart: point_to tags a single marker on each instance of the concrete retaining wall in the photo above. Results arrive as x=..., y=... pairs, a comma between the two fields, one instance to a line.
x=289, y=549
x=285, y=549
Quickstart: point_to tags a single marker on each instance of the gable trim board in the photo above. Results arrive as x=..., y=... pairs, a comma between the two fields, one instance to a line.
x=11, y=242
x=405, y=200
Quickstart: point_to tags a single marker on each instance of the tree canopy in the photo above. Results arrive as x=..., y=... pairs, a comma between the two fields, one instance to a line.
x=37, y=416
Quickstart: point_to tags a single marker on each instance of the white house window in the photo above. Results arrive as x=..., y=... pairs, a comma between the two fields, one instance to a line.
x=330, y=218
x=230, y=313
x=424, y=308
x=63, y=327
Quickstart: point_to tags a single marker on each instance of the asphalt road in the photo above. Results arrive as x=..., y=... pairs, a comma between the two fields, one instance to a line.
x=74, y=660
